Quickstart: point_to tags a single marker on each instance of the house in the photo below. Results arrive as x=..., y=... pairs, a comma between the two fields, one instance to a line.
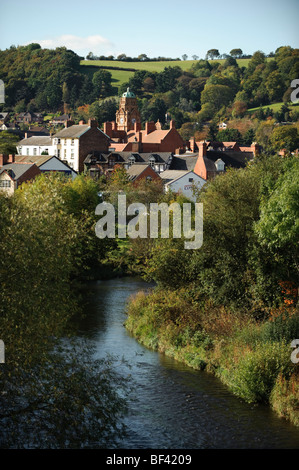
x=12, y=175
x=4, y=117
x=56, y=121
x=73, y=143
x=222, y=125
x=8, y=126
x=182, y=181
x=98, y=163
x=26, y=118
x=48, y=163
x=139, y=172
x=36, y=145
x=212, y=162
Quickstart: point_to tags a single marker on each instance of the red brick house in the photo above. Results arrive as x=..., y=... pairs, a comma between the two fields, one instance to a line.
x=12, y=175
x=139, y=172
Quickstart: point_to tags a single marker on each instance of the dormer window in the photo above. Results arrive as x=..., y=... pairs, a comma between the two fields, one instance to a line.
x=152, y=161
x=132, y=159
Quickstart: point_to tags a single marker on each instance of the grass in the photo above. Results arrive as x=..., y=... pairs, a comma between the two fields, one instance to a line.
x=275, y=107
x=121, y=76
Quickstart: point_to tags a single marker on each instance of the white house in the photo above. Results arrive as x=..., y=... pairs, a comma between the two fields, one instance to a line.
x=36, y=145
x=182, y=181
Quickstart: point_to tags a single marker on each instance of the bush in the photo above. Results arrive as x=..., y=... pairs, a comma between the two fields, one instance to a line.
x=256, y=373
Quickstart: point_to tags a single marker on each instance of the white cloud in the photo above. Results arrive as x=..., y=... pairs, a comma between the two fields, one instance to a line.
x=96, y=43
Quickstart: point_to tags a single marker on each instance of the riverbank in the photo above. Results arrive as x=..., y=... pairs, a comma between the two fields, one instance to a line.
x=252, y=358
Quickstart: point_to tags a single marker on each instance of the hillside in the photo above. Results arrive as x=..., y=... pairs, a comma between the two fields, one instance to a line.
x=123, y=74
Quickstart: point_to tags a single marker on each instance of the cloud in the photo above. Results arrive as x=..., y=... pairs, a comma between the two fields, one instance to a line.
x=94, y=43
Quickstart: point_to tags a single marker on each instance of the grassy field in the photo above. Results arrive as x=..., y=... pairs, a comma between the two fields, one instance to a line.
x=121, y=76
x=275, y=107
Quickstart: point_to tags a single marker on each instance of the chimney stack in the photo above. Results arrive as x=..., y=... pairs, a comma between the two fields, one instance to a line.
x=68, y=123
x=172, y=124
x=202, y=148
x=149, y=127
x=108, y=128
x=92, y=123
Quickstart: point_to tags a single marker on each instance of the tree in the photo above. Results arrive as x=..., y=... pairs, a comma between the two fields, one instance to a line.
x=195, y=57
x=217, y=95
x=285, y=137
x=8, y=142
x=237, y=53
x=212, y=54
x=184, y=56
x=102, y=83
x=278, y=227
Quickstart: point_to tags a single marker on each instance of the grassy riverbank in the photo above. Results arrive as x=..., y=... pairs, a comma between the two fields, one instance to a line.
x=253, y=358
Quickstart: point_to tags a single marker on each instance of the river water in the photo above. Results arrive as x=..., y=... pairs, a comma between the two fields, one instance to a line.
x=172, y=406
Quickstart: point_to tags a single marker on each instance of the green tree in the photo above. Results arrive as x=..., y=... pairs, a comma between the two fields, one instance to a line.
x=102, y=83
x=8, y=142
x=236, y=53
x=217, y=95
x=212, y=54
x=285, y=137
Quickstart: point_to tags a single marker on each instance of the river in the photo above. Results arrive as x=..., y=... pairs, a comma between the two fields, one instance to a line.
x=172, y=406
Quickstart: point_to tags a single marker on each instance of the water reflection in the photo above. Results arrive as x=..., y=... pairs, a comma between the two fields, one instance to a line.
x=171, y=405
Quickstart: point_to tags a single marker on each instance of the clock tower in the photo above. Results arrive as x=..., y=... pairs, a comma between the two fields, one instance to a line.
x=128, y=113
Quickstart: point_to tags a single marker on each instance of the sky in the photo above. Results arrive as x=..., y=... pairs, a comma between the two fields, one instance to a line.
x=168, y=28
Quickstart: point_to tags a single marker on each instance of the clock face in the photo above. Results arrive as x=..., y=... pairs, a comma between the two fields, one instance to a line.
x=133, y=121
x=121, y=120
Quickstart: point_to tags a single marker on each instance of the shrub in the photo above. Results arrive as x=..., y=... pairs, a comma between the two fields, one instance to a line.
x=256, y=372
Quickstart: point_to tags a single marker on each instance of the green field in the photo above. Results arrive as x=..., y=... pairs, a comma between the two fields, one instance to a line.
x=275, y=107
x=121, y=76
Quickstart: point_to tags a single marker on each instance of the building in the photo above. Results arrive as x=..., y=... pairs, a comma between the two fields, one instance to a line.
x=98, y=163
x=209, y=163
x=48, y=163
x=127, y=136
x=12, y=175
x=73, y=143
x=127, y=114
x=36, y=145
x=140, y=172
x=182, y=182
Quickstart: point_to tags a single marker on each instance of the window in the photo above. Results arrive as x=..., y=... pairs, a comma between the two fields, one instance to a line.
x=131, y=160
x=27, y=151
x=152, y=162
x=35, y=151
x=58, y=141
x=72, y=155
x=64, y=153
x=73, y=141
x=58, y=153
x=5, y=184
x=190, y=180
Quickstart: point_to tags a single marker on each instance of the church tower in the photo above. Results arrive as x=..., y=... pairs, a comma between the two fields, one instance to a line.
x=128, y=113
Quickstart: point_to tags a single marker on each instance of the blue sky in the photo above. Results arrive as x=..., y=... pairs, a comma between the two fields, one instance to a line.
x=158, y=27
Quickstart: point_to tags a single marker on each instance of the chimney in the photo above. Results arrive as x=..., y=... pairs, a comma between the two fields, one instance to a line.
x=137, y=127
x=255, y=148
x=92, y=123
x=172, y=124
x=108, y=128
x=68, y=123
x=26, y=135
x=2, y=157
x=202, y=148
x=192, y=144
x=114, y=126
x=149, y=127
x=81, y=123
x=158, y=125
x=11, y=158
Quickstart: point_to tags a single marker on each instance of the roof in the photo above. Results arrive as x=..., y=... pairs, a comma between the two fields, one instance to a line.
x=123, y=157
x=172, y=175
x=183, y=163
x=73, y=131
x=129, y=94
x=36, y=140
x=136, y=170
x=18, y=169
